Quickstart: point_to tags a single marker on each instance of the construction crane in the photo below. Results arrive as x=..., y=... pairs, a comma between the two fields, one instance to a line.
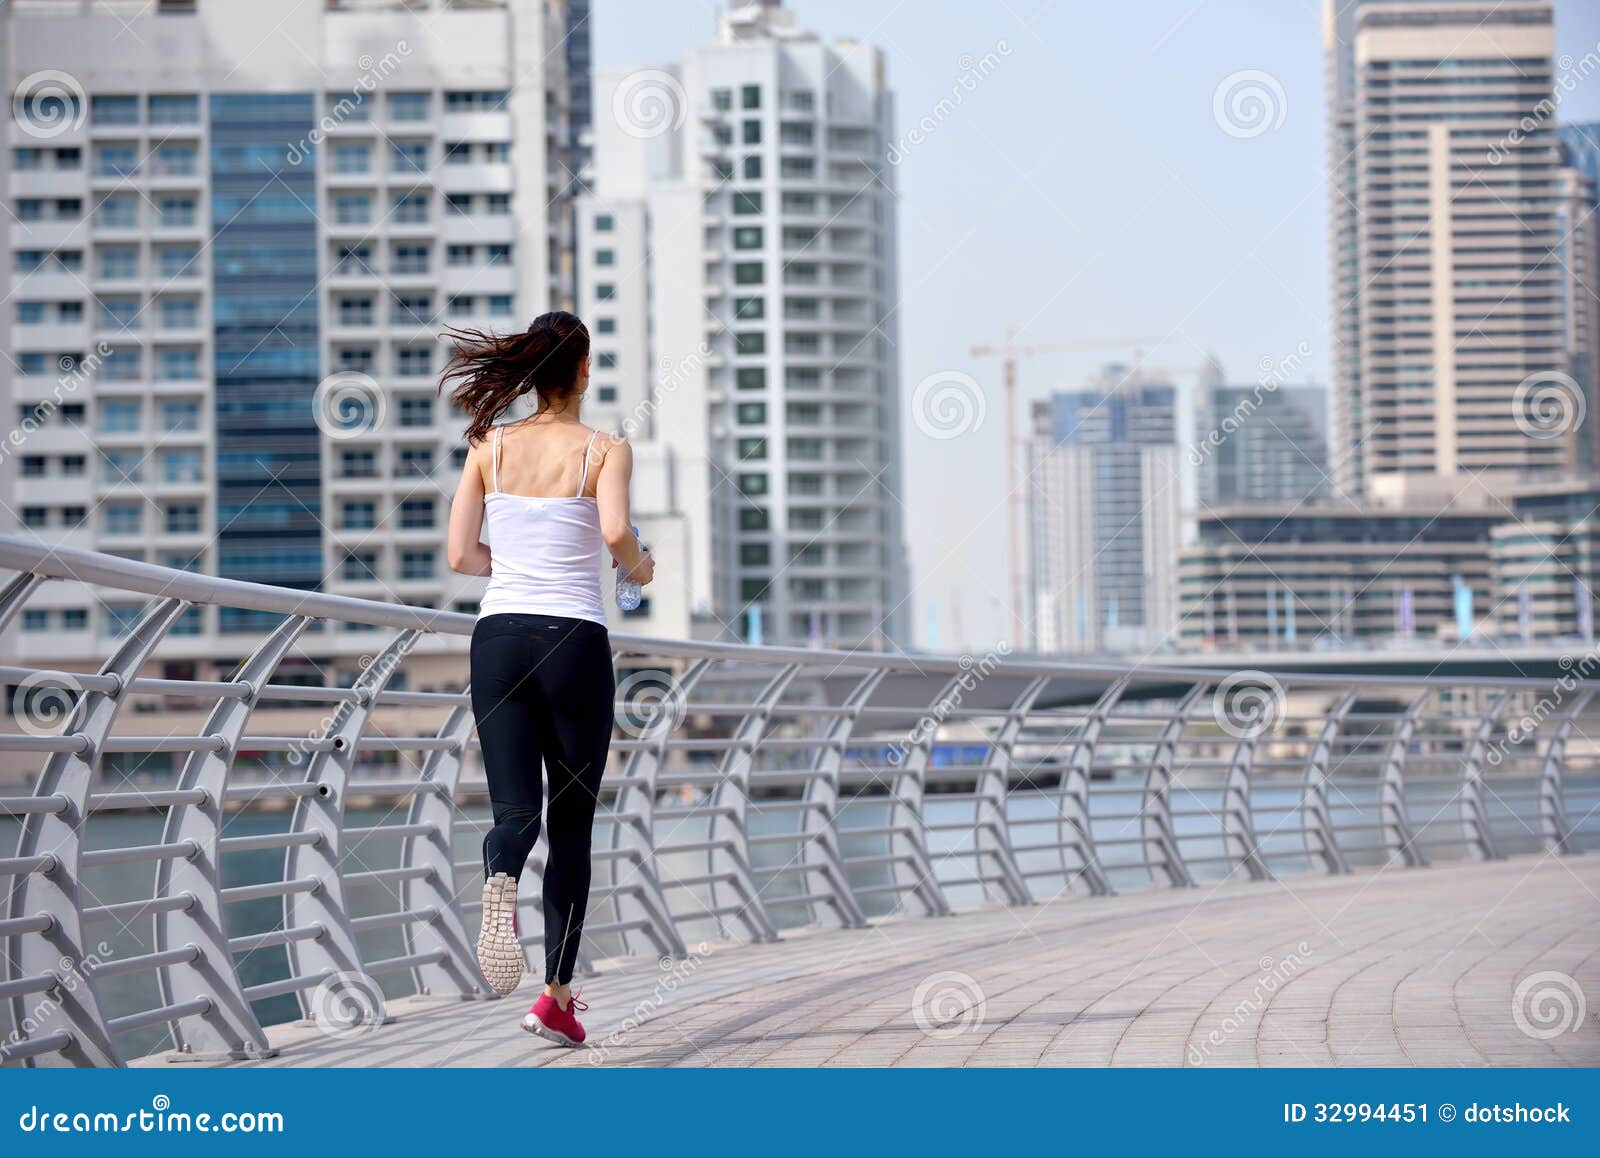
x=1009, y=352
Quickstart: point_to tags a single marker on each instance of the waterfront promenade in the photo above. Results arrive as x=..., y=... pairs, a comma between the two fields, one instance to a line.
x=1388, y=967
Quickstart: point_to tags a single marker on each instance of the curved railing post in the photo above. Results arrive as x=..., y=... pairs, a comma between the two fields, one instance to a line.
x=730, y=800
x=1316, y=817
x=57, y=896
x=1073, y=830
x=906, y=821
x=635, y=831
x=819, y=821
x=449, y=960
x=228, y=1029
x=1399, y=839
x=1474, y=816
x=992, y=834
x=321, y=814
x=1554, y=831
x=1238, y=817
x=1155, y=808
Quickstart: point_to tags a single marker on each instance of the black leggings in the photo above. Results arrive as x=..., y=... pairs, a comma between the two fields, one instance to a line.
x=542, y=690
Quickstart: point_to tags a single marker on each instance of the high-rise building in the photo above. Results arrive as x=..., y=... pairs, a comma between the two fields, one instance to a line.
x=1580, y=261
x=1445, y=195
x=1261, y=444
x=231, y=255
x=1104, y=498
x=738, y=267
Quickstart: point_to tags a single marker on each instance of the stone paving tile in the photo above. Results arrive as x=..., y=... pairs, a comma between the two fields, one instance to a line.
x=1380, y=968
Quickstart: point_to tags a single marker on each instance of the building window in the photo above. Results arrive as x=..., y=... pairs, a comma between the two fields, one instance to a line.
x=359, y=566
x=752, y=449
x=747, y=237
x=114, y=110
x=352, y=157
x=749, y=344
x=750, y=96
x=121, y=518
x=180, y=416
x=603, y=223
x=183, y=519
x=751, y=378
x=408, y=106
x=358, y=515
x=745, y=204
x=751, y=413
x=750, y=134
x=417, y=564
x=605, y=257
x=416, y=412
x=605, y=325
x=752, y=485
x=755, y=555
x=749, y=309
x=604, y=291
x=417, y=514
x=119, y=416
x=606, y=361
x=748, y=273
x=171, y=109
x=722, y=99
x=752, y=167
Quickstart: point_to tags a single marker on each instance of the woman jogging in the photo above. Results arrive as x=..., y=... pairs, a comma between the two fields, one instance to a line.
x=550, y=493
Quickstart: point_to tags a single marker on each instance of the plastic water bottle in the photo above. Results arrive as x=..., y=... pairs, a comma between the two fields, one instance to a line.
x=629, y=593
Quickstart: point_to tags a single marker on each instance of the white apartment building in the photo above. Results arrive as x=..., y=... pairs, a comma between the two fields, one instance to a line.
x=213, y=211
x=737, y=268
x=1446, y=239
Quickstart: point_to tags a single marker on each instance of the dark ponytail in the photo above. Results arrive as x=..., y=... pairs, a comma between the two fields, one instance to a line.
x=488, y=372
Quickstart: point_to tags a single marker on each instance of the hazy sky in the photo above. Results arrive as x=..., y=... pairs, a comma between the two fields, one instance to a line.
x=1083, y=190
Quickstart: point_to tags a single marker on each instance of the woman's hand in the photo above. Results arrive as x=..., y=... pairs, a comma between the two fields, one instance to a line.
x=644, y=570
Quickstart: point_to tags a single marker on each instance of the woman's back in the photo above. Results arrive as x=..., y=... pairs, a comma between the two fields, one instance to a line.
x=542, y=521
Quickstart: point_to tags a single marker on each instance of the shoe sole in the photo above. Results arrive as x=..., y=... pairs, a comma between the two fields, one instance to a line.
x=540, y=1029
x=495, y=957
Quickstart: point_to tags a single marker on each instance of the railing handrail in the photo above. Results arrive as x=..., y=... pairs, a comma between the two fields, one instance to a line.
x=842, y=778
x=79, y=565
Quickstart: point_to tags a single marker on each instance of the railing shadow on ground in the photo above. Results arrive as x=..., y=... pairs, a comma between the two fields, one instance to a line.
x=199, y=858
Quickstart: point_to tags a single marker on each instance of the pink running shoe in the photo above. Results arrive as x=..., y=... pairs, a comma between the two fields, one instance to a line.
x=551, y=1022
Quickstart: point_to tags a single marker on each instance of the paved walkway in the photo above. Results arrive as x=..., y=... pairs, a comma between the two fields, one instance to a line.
x=1388, y=968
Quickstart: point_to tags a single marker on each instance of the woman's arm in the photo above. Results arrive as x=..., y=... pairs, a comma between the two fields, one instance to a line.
x=616, y=517
x=464, y=548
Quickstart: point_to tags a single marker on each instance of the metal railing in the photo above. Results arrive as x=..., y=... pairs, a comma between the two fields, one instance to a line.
x=192, y=862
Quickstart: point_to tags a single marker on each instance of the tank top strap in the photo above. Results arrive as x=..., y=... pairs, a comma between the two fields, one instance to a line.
x=583, y=483
x=494, y=461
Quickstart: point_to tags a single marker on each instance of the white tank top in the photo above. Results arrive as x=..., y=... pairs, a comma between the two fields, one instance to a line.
x=544, y=552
